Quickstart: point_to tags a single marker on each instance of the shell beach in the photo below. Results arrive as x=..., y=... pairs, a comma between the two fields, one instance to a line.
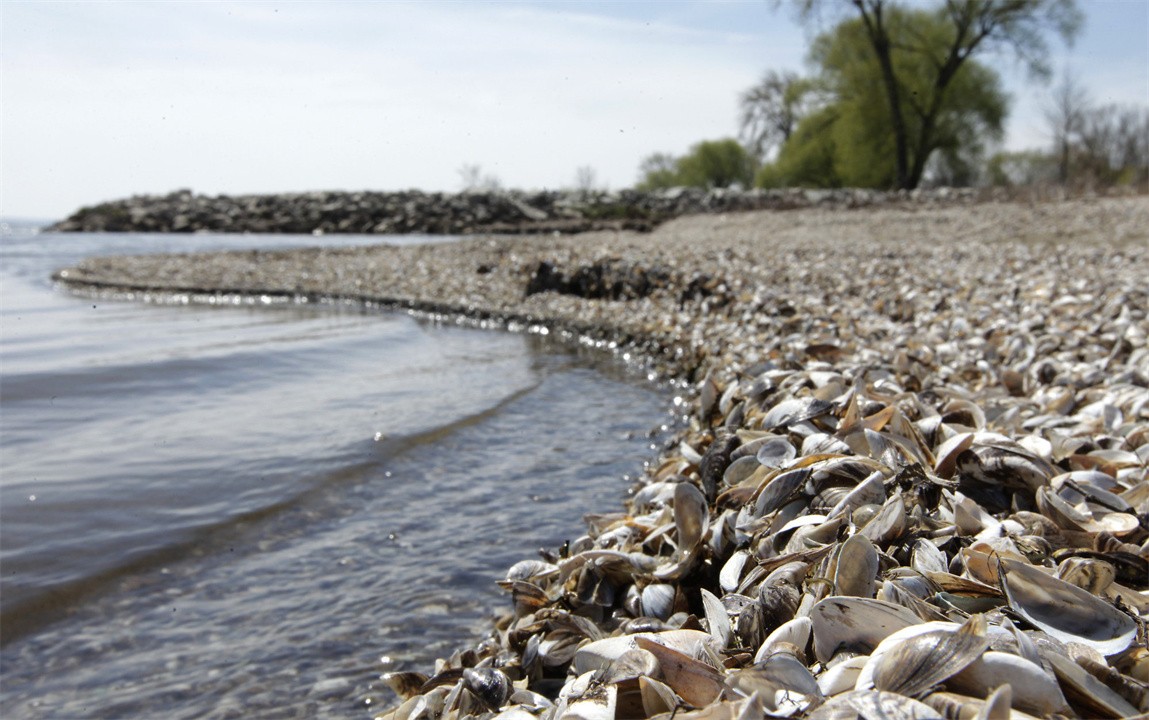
x=913, y=483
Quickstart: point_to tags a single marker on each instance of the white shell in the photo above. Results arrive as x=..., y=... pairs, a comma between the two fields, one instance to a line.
x=1034, y=690
x=1065, y=611
x=856, y=624
x=600, y=653
x=795, y=633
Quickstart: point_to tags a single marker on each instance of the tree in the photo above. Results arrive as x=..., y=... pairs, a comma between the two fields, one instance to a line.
x=969, y=27
x=846, y=141
x=585, y=179
x=807, y=159
x=771, y=110
x=716, y=164
x=709, y=164
x=1104, y=145
x=658, y=171
x=1021, y=168
x=1065, y=114
x=1114, y=145
x=473, y=180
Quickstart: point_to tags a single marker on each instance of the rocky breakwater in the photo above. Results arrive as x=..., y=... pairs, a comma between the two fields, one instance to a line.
x=914, y=483
x=457, y=214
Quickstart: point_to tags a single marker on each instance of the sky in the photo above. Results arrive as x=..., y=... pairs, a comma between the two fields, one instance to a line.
x=102, y=100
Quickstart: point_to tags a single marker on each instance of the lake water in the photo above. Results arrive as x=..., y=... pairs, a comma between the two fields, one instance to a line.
x=245, y=510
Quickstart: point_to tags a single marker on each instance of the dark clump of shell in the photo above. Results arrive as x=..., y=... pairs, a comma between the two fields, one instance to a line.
x=953, y=526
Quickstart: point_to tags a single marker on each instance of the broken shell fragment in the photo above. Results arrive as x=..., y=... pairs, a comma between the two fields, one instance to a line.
x=600, y=653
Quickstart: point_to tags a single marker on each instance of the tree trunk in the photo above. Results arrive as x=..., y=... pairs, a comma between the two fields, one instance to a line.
x=1063, y=166
x=897, y=122
x=880, y=41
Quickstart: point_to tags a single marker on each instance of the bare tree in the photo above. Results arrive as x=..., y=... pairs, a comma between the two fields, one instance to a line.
x=585, y=179
x=469, y=176
x=1114, y=145
x=1132, y=143
x=473, y=180
x=1066, y=112
x=771, y=110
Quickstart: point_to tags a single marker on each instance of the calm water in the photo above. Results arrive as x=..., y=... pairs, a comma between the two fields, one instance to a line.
x=253, y=511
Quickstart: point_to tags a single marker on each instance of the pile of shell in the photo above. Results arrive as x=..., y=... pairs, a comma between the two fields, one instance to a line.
x=914, y=485
x=825, y=544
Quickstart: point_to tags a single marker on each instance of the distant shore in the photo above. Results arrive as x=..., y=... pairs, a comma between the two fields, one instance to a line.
x=885, y=332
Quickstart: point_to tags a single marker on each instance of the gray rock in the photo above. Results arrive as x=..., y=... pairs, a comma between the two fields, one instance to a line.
x=413, y=211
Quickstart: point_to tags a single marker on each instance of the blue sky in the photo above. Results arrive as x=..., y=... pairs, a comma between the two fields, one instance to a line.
x=100, y=100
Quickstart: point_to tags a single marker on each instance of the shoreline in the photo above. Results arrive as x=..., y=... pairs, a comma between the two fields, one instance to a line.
x=963, y=359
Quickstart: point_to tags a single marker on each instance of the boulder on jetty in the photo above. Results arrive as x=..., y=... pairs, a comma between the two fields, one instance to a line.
x=416, y=212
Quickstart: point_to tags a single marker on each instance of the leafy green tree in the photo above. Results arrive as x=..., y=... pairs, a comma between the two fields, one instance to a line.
x=709, y=164
x=848, y=141
x=808, y=158
x=915, y=103
x=716, y=164
x=657, y=171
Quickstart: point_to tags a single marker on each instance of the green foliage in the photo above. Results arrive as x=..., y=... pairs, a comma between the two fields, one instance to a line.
x=850, y=142
x=716, y=163
x=1026, y=167
x=709, y=164
x=658, y=171
x=808, y=159
x=913, y=57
